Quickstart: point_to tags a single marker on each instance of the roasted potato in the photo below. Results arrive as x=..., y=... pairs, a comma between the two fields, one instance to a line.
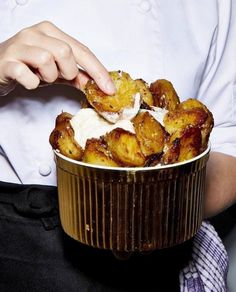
x=177, y=120
x=145, y=93
x=164, y=94
x=63, y=119
x=153, y=160
x=207, y=126
x=124, y=147
x=190, y=143
x=171, y=151
x=124, y=97
x=183, y=134
x=150, y=133
x=96, y=152
x=183, y=145
x=62, y=138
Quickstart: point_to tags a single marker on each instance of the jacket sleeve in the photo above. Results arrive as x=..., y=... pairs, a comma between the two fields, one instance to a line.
x=218, y=86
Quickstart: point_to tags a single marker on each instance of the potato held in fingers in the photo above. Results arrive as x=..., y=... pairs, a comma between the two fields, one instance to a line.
x=111, y=107
x=124, y=147
x=62, y=138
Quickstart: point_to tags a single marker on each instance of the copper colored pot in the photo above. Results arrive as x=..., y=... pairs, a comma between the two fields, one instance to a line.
x=131, y=209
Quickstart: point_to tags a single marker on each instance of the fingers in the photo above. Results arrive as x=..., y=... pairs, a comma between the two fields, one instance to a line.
x=62, y=55
x=94, y=68
x=44, y=52
x=22, y=74
x=83, y=57
x=41, y=60
x=78, y=82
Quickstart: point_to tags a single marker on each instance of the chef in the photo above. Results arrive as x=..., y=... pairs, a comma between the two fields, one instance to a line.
x=48, y=51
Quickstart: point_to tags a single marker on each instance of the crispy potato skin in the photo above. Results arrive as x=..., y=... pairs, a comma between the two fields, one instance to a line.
x=62, y=138
x=164, y=94
x=180, y=119
x=185, y=134
x=124, y=147
x=171, y=152
x=207, y=126
x=126, y=89
x=183, y=145
x=145, y=93
x=190, y=117
x=184, y=127
x=96, y=152
x=190, y=143
x=150, y=133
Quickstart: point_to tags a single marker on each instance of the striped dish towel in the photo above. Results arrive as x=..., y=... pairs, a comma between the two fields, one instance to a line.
x=207, y=271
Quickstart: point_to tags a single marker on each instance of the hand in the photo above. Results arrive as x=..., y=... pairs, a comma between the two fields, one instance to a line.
x=44, y=53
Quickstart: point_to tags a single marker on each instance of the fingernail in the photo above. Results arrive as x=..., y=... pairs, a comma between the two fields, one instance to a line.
x=110, y=87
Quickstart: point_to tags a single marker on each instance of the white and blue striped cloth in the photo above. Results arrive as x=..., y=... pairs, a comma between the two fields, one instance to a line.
x=207, y=271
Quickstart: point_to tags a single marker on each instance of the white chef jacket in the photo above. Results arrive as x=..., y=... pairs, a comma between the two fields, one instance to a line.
x=191, y=43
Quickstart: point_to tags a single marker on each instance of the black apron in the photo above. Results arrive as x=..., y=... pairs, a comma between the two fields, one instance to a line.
x=37, y=256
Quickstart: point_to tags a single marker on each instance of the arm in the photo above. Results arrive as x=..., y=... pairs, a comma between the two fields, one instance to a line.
x=218, y=92
x=220, y=183
x=45, y=53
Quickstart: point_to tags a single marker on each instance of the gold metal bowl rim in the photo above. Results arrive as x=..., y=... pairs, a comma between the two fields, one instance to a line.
x=134, y=169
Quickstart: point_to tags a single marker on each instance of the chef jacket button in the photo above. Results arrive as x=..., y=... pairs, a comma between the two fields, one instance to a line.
x=21, y=2
x=145, y=6
x=44, y=169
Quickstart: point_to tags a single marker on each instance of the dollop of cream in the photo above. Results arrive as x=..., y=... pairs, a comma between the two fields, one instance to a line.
x=158, y=113
x=87, y=124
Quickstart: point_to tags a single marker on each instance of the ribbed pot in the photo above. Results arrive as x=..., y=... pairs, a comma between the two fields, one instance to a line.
x=131, y=209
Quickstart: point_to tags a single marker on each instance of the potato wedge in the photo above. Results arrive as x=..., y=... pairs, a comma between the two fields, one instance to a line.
x=183, y=145
x=207, y=126
x=153, y=160
x=62, y=138
x=146, y=96
x=180, y=119
x=124, y=147
x=164, y=94
x=190, y=143
x=63, y=119
x=126, y=89
x=171, y=152
x=96, y=152
x=150, y=133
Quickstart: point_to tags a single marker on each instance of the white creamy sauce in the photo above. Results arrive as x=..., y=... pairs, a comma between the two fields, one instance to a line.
x=158, y=113
x=87, y=123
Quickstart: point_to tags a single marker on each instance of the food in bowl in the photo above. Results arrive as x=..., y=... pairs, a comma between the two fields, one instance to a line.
x=139, y=126
x=131, y=173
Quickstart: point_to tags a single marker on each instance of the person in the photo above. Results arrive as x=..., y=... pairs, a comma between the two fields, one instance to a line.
x=62, y=43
